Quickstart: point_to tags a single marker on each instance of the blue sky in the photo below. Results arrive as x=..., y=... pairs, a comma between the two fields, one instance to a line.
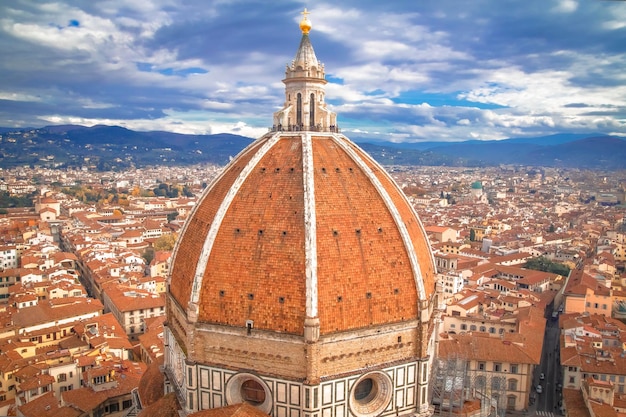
x=411, y=70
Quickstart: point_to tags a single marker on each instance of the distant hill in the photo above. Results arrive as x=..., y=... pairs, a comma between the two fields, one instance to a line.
x=117, y=148
x=568, y=151
x=113, y=147
x=539, y=140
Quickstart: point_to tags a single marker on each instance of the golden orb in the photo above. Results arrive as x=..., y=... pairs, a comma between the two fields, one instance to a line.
x=305, y=23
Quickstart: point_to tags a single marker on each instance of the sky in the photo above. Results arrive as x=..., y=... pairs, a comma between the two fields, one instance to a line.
x=398, y=70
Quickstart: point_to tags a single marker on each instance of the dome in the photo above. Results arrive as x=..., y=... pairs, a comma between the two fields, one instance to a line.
x=302, y=226
x=302, y=282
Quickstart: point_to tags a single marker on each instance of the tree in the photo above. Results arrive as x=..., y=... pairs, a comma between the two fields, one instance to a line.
x=165, y=242
x=148, y=255
x=472, y=235
x=541, y=263
x=187, y=192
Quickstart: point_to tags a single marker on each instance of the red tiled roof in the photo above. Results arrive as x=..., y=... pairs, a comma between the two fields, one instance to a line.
x=47, y=406
x=235, y=410
x=258, y=254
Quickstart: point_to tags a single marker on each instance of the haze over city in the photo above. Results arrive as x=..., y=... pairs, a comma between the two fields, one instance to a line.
x=406, y=71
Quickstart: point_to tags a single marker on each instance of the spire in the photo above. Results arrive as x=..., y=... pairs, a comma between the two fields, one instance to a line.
x=305, y=106
x=305, y=57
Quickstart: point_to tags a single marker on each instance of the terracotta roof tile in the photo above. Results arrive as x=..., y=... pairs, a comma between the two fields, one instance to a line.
x=257, y=265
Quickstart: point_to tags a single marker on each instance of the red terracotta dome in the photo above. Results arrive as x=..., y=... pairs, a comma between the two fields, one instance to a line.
x=303, y=225
x=303, y=282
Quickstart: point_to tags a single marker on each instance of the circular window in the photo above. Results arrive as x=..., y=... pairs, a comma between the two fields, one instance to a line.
x=252, y=392
x=249, y=388
x=370, y=394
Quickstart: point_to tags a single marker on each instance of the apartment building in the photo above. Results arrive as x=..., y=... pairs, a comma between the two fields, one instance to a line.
x=131, y=306
x=498, y=365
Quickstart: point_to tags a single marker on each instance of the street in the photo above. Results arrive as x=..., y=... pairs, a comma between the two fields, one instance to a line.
x=548, y=400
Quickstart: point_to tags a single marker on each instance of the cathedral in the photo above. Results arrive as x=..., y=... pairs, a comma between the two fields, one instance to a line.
x=303, y=283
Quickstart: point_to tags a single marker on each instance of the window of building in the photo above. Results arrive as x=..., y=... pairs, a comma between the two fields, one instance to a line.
x=127, y=404
x=497, y=367
x=572, y=380
x=483, y=329
x=481, y=366
x=463, y=326
x=492, y=330
x=511, y=400
x=512, y=384
x=496, y=383
x=473, y=328
x=99, y=379
x=514, y=368
x=253, y=393
x=61, y=378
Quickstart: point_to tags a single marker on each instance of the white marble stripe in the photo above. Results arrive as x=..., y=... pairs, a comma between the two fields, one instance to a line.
x=404, y=233
x=310, y=226
x=206, y=192
x=221, y=212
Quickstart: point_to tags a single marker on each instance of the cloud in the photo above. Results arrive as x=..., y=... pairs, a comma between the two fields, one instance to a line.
x=443, y=70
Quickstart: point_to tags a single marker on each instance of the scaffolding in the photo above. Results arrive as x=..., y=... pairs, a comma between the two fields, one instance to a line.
x=457, y=390
x=450, y=386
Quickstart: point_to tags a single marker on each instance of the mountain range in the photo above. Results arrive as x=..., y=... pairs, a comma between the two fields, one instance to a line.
x=115, y=148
